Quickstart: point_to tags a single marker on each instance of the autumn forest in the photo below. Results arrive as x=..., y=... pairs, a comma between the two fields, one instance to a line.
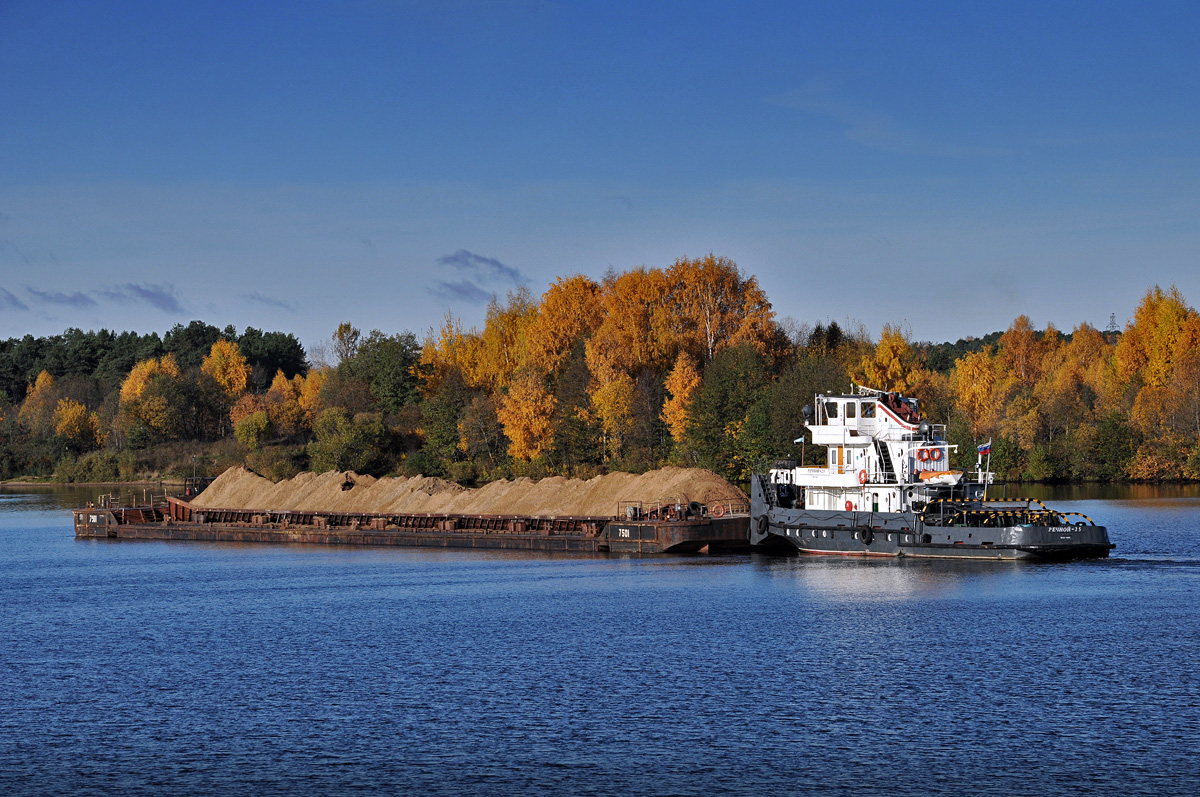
x=688, y=365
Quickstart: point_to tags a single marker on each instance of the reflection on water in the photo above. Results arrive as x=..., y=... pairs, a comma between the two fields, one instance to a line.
x=22, y=498
x=857, y=578
x=1109, y=492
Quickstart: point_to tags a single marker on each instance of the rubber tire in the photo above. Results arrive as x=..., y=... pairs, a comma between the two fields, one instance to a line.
x=868, y=536
x=762, y=524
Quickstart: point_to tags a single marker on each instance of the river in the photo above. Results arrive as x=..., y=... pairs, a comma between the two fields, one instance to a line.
x=192, y=668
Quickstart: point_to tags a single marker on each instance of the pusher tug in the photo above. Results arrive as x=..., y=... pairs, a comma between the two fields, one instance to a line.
x=887, y=490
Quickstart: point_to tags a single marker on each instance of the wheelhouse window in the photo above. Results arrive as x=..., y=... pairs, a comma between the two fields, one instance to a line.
x=868, y=409
x=851, y=409
x=831, y=409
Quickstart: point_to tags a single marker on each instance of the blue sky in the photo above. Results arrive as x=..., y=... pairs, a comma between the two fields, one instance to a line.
x=944, y=166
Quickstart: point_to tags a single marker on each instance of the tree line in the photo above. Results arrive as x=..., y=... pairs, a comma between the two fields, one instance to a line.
x=681, y=365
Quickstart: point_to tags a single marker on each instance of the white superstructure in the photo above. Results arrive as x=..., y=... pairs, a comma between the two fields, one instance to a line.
x=881, y=456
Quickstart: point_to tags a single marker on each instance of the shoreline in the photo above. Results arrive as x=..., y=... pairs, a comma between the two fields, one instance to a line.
x=138, y=483
x=177, y=482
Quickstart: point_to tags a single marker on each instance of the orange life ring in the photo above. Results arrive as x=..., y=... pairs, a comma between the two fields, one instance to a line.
x=862, y=477
x=935, y=454
x=922, y=454
x=717, y=511
x=849, y=506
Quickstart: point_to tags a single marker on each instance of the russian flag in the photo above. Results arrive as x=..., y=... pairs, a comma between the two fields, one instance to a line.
x=986, y=448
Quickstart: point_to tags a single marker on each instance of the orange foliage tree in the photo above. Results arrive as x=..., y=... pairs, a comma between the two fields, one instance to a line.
x=1020, y=350
x=681, y=387
x=569, y=311
x=709, y=304
x=682, y=384
x=525, y=413
x=283, y=405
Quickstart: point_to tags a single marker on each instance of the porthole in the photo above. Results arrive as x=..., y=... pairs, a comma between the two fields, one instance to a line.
x=824, y=533
x=891, y=538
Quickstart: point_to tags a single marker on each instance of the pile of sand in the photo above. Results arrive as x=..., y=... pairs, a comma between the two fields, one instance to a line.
x=238, y=488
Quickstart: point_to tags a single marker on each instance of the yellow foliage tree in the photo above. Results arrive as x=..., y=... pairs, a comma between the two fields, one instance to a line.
x=502, y=341
x=893, y=365
x=36, y=413
x=681, y=385
x=73, y=423
x=150, y=408
x=525, y=414
x=1149, y=345
x=155, y=412
x=139, y=376
x=228, y=367
x=310, y=397
x=449, y=347
x=612, y=400
x=973, y=382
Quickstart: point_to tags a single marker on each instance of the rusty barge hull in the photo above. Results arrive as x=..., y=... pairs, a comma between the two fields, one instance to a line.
x=179, y=520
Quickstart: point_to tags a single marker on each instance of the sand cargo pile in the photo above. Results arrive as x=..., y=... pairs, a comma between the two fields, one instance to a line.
x=349, y=492
x=674, y=510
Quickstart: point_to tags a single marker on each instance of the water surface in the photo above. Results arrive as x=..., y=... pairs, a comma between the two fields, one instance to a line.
x=159, y=667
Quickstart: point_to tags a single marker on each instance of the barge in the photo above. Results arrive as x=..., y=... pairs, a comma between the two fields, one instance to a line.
x=635, y=528
x=886, y=490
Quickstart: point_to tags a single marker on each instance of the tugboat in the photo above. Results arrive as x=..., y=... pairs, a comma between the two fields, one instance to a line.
x=887, y=490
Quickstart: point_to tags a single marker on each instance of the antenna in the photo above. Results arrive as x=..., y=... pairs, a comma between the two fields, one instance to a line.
x=1112, y=323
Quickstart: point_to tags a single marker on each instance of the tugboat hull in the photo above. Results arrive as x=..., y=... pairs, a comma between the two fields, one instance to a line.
x=1046, y=543
x=906, y=534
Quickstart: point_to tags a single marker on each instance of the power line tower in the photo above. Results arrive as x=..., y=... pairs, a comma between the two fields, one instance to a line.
x=1112, y=330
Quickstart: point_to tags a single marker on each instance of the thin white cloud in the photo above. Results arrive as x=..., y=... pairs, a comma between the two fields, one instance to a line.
x=865, y=126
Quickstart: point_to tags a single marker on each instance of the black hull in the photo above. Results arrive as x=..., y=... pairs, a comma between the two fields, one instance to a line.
x=823, y=534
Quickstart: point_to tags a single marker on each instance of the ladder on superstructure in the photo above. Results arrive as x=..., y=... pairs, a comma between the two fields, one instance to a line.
x=887, y=470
